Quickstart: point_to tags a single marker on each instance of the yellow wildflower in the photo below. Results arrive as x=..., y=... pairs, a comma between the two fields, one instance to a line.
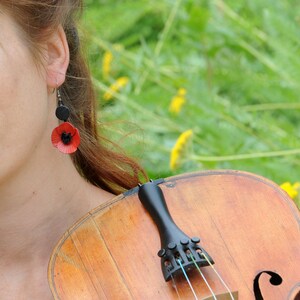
x=179, y=148
x=106, y=63
x=181, y=92
x=178, y=101
x=108, y=58
x=115, y=87
x=291, y=189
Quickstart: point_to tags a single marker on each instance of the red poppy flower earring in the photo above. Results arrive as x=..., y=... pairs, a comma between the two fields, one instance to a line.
x=65, y=137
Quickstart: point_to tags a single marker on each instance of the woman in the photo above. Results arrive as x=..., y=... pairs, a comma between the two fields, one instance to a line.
x=46, y=183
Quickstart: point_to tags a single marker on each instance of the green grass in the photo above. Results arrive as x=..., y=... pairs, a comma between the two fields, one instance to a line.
x=239, y=62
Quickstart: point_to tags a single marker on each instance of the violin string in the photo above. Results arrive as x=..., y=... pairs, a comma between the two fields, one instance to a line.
x=219, y=276
x=175, y=286
x=203, y=277
x=187, y=279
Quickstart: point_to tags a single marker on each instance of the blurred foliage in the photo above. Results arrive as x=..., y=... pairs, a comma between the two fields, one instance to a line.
x=239, y=62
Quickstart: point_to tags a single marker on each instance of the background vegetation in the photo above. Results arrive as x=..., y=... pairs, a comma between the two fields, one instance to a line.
x=239, y=63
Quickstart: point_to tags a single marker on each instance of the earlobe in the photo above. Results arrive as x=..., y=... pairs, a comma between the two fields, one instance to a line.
x=57, y=58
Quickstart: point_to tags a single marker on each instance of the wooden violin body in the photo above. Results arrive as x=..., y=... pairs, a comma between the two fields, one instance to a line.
x=245, y=222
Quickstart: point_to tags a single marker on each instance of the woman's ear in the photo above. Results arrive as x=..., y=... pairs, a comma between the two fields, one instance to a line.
x=58, y=57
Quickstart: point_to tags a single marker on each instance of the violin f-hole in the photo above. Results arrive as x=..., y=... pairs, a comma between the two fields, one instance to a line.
x=274, y=280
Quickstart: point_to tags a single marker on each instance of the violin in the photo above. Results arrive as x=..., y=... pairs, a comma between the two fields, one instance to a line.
x=205, y=235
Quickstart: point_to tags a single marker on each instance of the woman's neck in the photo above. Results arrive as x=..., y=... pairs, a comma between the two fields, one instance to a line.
x=38, y=205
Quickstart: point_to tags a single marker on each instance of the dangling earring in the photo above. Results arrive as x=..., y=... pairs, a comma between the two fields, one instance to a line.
x=65, y=137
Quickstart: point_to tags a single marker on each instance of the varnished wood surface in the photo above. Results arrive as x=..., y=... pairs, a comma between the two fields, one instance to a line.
x=245, y=222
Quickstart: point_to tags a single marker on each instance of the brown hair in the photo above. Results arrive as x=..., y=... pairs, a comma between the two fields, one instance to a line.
x=103, y=167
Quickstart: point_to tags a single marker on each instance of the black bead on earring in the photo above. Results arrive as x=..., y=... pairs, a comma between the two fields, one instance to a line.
x=62, y=112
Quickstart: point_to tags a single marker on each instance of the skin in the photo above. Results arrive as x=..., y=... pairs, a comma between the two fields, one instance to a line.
x=41, y=193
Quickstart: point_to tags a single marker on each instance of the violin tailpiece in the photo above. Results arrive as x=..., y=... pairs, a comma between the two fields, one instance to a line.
x=175, y=244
